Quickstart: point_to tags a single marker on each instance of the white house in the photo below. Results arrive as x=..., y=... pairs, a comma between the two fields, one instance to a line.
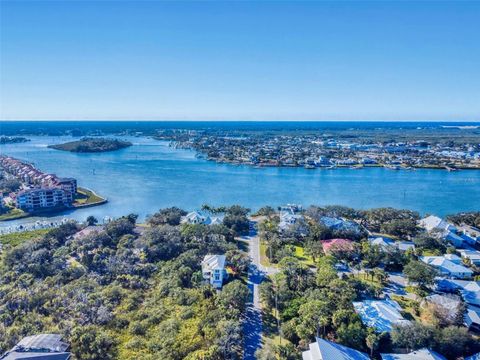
x=382, y=241
x=326, y=350
x=448, y=266
x=386, y=243
x=441, y=228
x=380, y=314
x=434, y=223
x=287, y=220
x=213, y=270
x=196, y=217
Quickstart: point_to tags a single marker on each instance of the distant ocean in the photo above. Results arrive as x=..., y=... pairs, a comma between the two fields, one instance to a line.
x=60, y=127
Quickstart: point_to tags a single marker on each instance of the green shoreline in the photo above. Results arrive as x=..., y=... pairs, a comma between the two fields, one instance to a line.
x=85, y=198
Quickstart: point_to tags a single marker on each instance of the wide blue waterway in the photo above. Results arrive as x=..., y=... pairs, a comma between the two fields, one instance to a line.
x=151, y=175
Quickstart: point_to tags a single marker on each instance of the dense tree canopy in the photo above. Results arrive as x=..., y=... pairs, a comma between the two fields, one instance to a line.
x=115, y=294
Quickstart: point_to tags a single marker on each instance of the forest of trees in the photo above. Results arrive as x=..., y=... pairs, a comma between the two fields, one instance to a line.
x=135, y=291
x=88, y=145
x=116, y=294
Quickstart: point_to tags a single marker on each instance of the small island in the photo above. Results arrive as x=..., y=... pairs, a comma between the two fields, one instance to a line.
x=91, y=145
x=12, y=140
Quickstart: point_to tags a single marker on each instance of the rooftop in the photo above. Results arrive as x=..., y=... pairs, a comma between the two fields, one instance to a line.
x=327, y=350
x=380, y=314
x=422, y=354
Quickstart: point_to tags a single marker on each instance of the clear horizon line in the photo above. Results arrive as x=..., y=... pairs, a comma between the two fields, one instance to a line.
x=243, y=120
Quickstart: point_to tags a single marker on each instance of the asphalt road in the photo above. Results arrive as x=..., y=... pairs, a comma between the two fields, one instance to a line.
x=253, y=319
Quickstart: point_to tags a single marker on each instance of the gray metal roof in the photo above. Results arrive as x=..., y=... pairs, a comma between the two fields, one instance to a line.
x=39, y=347
x=15, y=355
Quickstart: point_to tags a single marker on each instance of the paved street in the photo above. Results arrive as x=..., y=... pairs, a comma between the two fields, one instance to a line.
x=253, y=321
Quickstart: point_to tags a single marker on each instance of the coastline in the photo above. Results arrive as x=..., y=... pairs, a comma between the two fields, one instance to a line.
x=353, y=167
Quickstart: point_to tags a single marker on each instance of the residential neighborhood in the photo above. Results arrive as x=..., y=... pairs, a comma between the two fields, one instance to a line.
x=325, y=152
x=313, y=283
x=36, y=190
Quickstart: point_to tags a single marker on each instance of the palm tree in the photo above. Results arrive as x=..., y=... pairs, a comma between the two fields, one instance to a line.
x=372, y=340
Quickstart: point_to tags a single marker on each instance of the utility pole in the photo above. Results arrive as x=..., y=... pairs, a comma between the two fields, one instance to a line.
x=277, y=313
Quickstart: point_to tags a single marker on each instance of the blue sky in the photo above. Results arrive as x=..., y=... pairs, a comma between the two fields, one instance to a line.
x=270, y=60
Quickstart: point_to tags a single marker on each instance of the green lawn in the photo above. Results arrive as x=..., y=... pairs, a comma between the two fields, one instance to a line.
x=85, y=196
x=300, y=255
x=409, y=306
x=13, y=214
x=17, y=238
x=369, y=281
x=263, y=255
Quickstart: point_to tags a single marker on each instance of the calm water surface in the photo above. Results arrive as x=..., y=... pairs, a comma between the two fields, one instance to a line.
x=150, y=175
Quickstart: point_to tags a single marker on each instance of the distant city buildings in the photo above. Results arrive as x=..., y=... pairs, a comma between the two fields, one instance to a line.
x=318, y=151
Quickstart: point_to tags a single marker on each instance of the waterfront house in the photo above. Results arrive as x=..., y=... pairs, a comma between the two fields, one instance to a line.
x=194, y=217
x=442, y=229
x=448, y=266
x=433, y=223
x=213, y=270
x=287, y=220
x=213, y=220
x=291, y=209
x=39, y=347
x=380, y=314
x=335, y=223
x=32, y=200
x=422, y=354
x=327, y=350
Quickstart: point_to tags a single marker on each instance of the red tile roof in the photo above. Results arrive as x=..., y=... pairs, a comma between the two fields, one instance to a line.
x=337, y=244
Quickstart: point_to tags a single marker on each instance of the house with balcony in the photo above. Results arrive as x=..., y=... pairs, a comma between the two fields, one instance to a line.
x=213, y=270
